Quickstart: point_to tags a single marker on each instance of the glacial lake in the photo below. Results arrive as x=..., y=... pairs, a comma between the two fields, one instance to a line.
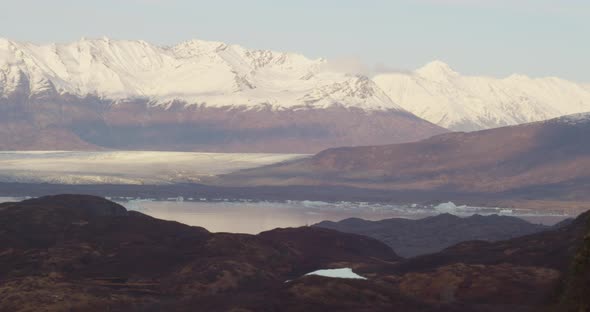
x=255, y=217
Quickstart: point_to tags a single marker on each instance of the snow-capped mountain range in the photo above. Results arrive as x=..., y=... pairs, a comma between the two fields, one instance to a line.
x=195, y=96
x=442, y=96
x=211, y=96
x=196, y=72
x=220, y=75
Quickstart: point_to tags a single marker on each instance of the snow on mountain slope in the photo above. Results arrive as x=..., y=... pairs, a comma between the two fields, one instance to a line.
x=217, y=75
x=440, y=95
x=196, y=72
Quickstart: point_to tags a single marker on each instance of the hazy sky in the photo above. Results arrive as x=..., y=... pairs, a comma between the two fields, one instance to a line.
x=488, y=37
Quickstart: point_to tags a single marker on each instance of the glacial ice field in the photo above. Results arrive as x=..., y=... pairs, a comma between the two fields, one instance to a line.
x=126, y=167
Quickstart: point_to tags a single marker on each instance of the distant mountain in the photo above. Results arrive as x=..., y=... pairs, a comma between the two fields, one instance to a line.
x=197, y=95
x=196, y=72
x=442, y=96
x=210, y=96
x=410, y=238
x=549, y=159
x=82, y=253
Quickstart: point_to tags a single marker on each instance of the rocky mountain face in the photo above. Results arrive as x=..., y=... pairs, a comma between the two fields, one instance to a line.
x=198, y=95
x=82, y=253
x=543, y=160
x=443, y=96
x=410, y=238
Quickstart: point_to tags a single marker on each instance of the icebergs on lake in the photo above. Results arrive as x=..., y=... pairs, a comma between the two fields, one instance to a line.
x=337, y=273
x=449, y=207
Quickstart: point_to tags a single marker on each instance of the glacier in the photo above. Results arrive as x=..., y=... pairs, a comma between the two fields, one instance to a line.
x=126, y=167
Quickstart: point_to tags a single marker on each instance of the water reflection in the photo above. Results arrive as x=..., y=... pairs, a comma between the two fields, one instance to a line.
x=243, y=217
x=255, y=217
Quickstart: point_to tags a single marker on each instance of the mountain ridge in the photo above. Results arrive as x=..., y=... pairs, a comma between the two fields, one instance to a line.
x=195, y=96
x=546, y=159
x=194, y=72
x=443, y=96
x=410, y=238
x=215, y=97
x=217, y=74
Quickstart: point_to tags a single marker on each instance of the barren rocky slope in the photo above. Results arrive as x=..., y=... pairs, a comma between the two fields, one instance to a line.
x=543, y=160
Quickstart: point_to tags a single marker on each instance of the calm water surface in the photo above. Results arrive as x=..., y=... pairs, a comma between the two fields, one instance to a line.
x=255, y=217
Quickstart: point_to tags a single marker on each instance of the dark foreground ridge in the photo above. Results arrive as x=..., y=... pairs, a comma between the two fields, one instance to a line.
x=83, y=253
x=410, y=238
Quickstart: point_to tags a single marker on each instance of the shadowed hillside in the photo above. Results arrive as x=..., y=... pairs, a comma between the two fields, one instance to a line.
x=545, y=160
x=410, y=238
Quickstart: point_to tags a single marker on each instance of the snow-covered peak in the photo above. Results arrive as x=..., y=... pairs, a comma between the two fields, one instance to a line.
x=518, y=77
x=356, y=91
x=465, y=103
x=436, y=70
x=4, y=42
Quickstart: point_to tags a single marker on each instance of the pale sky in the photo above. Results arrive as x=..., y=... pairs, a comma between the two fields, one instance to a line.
x=484, y=37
